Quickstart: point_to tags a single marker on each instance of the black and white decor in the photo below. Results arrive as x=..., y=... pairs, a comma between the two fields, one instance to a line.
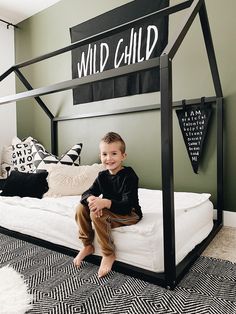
x=22, y=157
x=59, y=287
x=42, y=157
x=193, y=121
x=135, y=44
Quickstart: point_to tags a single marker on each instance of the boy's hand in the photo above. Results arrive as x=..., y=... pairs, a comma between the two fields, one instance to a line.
x=90, y=198
x=96, y=204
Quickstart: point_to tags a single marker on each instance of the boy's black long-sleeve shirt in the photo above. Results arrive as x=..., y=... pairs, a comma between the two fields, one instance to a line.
x=121, y=189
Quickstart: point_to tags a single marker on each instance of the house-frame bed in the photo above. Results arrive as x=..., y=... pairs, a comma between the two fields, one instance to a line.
x=172, y=274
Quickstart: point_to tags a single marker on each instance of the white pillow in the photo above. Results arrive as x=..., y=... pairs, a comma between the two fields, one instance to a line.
x=66, y=180
x=6, y=163
x=16, y=140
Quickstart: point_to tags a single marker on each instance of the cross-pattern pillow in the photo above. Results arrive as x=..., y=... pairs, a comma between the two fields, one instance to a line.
x=42, y=158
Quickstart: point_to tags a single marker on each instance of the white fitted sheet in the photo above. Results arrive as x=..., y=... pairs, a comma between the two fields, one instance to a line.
x=141, y=245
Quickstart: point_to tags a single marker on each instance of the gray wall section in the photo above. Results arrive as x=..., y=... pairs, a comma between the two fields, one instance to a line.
x=49, y=30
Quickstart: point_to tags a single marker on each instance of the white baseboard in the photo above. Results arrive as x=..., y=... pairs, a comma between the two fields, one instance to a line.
x=229, y=218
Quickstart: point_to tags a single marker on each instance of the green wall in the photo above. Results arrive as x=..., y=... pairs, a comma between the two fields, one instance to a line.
x=49, y=30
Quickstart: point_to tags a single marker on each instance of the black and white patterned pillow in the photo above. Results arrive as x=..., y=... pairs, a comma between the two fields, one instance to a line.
x=18, y=156
x=22, y=158
x=42, y=158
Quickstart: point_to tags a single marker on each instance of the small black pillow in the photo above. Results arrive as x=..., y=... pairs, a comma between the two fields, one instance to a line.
x=2, y=183
x=26, y=184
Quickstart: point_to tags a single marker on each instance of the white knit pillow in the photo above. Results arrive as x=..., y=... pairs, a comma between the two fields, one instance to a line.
x=66, y=180
x=6, y=162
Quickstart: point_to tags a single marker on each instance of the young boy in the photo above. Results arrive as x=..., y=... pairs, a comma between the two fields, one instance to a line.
x=119, y=205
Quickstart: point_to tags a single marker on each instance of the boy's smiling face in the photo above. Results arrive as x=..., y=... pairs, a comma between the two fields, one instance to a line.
x=111, y=156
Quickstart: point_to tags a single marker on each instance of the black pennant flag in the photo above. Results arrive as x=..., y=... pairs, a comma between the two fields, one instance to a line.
x=193, y=121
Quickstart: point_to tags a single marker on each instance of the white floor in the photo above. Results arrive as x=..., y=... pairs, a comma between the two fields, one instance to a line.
x=223, y=246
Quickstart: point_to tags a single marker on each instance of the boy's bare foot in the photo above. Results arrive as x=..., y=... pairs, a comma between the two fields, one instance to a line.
x=106, y=265
x=87, y=250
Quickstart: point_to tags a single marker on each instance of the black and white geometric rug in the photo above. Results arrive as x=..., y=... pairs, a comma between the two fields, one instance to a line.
x=60, y=288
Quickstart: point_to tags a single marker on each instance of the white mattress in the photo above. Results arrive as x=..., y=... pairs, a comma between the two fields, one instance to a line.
x=141, y=245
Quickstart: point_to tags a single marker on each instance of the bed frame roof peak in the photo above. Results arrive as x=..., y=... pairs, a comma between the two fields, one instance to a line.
x=193, y=8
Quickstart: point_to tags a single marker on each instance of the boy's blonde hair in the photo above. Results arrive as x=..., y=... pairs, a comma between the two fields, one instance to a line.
x=112, y=137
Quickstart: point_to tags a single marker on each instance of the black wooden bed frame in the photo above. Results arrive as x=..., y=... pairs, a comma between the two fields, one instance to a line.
x=172, y=274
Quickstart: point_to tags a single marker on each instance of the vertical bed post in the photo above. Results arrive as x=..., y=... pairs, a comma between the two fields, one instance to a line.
x=219, y=107
x=167, y=170
x=220, y=186
x=54, y=137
